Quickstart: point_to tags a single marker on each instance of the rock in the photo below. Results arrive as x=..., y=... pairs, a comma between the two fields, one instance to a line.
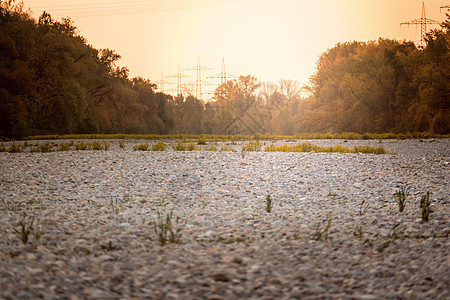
x=221, y=277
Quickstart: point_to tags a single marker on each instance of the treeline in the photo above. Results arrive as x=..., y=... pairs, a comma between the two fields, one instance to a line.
x=53, y=82
x=383, y=86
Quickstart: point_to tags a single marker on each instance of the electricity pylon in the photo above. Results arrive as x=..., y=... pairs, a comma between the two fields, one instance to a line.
x=223, y=74
x=179, y=77
x=423, y=21
x=162, y=82
x=198, y=80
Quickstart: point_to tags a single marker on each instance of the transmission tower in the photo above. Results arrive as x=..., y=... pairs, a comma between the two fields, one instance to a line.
x=198, y=80
x=162, y=82
x=422, y=22
x=223, y=74
x=179, y=77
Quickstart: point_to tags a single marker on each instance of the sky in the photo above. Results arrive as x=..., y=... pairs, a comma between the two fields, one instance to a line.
x=269, y=39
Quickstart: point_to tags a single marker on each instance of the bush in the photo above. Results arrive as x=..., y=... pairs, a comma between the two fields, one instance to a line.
x=14, y=148
x=45, y=148
x=159, y=147
x=210, y=148
x=97, y=146
x=185, y=147
x=81, y=146
x=252, y=146
x=141, y=147
x=227, y=148
x=64, y=147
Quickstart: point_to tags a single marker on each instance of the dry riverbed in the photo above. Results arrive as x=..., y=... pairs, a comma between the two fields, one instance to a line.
x=334, y=231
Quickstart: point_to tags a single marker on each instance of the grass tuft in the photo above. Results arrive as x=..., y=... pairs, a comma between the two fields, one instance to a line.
x=425, y=206
x=165, y=230
x=401, y=195
x=269, y=204
x=27, y=229
x=320, y=233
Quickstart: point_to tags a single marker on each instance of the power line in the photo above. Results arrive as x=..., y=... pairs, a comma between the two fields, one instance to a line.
x=135, y=7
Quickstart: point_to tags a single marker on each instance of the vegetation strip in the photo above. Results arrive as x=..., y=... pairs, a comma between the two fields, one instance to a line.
x=239, y=137
x=309, y=147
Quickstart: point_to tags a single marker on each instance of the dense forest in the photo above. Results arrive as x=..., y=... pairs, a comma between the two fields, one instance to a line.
x=53, y=82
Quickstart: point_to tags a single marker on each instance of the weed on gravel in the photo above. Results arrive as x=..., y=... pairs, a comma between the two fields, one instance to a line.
x=401, y=195
x=28, y=228
x=269, y=204
x=320, y=233
x=425, y=206
x=165, y=230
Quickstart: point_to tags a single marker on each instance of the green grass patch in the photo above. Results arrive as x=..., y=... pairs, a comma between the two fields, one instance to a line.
x=310, y=147
x=239, y=137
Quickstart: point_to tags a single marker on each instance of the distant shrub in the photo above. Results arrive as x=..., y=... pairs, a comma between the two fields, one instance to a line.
x=227, y=148
x=63, y=147
x=185, y=147
x=81, y=146
x=210, y=148
x=140, y=147
x=201, y=141
x=369, y=149
x=160, y=146
x=14, y=148
x=121, y=144
x=99, y=145
x=45, y=148
x=252, y=146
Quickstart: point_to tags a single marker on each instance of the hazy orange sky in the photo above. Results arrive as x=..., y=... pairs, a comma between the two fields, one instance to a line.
x=270, y=39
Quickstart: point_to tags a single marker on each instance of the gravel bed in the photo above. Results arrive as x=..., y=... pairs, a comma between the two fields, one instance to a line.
x=94, y=218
